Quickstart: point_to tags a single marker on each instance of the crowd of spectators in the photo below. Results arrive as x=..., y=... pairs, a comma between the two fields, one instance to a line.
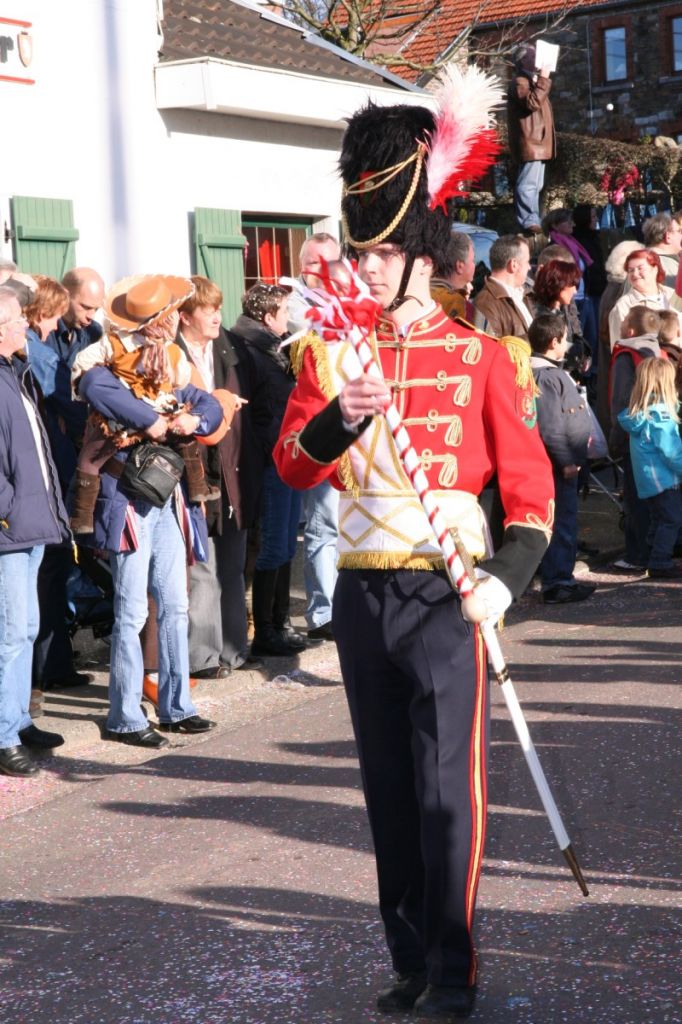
x=136, y=410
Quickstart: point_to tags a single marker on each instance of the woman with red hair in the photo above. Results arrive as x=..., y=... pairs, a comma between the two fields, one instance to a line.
x=48, y=302
x=644, y=276
x=555, y=285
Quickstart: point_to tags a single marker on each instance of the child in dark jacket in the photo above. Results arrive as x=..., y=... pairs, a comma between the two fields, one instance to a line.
x=565, y=426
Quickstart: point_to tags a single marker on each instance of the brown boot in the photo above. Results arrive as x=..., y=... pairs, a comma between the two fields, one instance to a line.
x=35, y=707
x=84, y=500
x=198, y=487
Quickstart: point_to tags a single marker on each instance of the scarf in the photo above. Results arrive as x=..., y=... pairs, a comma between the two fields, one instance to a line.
x=155, y=365
x=577, y=251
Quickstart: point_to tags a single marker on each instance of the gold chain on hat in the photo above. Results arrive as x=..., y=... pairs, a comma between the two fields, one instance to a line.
x=378, y=180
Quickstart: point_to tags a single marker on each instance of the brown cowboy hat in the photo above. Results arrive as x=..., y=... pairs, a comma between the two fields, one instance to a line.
x=143, y=299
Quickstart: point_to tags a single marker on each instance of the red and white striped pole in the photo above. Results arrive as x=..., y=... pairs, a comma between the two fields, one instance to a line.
x=460, y=575
x=334, y=319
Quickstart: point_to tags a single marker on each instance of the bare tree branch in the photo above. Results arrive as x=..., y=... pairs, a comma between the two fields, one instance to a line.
x=383, y=30
x=359, y=25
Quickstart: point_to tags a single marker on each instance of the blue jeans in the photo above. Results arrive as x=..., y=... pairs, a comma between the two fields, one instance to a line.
x=665, y=520
x=160, y=566
x=19, y=619
x=529, y=182
x=321, y=511
x=280, y=515
x=556, y=567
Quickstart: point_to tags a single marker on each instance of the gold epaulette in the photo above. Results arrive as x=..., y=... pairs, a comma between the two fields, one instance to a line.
x=297, y=351
x=519, y=352
x=320, y=354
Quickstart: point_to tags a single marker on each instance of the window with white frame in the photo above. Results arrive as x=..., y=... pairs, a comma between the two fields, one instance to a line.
x=615, y=54
x=676, y=43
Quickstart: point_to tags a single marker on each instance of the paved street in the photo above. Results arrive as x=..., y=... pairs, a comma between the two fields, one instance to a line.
x=229, y=880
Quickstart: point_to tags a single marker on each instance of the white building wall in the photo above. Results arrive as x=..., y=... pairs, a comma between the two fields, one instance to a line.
x=89, y=130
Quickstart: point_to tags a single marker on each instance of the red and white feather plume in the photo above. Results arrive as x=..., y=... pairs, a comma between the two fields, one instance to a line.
x=464, y=143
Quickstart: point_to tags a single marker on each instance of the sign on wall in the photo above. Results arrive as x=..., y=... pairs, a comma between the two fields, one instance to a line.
x=16, y=51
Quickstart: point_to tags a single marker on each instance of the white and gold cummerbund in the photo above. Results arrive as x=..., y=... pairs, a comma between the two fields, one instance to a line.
x=391, y=530
x=382, y=524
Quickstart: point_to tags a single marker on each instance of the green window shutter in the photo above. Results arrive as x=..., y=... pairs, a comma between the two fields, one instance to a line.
x=220, y=255
x=44, y=235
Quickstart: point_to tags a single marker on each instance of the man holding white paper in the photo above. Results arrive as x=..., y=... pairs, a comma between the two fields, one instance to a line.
x=531, y=130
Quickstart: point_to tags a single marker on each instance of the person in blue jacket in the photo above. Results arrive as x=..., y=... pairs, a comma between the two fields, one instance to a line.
x=148, y=546
x=652, y=421
x=32, y=515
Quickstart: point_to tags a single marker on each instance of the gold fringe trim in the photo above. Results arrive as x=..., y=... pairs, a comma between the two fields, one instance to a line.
x=320, y=354
x=519, y=352
x=347, y=477
x=298, y=350
x=388, y=560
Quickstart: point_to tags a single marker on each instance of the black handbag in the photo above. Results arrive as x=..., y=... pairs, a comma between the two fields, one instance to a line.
x=152, y=472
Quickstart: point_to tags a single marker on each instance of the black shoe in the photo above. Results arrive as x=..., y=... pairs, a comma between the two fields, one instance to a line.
x=192, y=724
x=144, y=738
x=665, y=572
x=216, y=672
x=567, y=593
x=32, y=736
x=295, y=639
x=17, y=761
x=65, y=683
x=249, y=663
x=324, y=632
x=447, y=1003
x=403, y=993
x=275, y=643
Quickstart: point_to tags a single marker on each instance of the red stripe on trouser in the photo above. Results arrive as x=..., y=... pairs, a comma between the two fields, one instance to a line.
x=477, y=791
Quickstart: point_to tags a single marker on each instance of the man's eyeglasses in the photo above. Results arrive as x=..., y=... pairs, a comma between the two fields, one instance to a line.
x=16, y=320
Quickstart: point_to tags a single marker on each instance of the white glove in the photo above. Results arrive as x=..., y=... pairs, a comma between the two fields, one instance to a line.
x=493, y=598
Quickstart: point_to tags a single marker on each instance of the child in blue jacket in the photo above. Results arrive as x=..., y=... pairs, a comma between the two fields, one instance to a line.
x=652, y=421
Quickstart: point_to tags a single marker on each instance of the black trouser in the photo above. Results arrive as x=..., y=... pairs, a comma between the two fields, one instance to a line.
x=635, y=518
x=52, y=651
x=417, y=687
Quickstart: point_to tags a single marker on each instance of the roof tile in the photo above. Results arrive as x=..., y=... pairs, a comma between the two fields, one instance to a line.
x=234, y=31
x=436, y=33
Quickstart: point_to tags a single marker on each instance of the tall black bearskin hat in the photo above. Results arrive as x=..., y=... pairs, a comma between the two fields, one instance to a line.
x=386, y=198
x=401, y=164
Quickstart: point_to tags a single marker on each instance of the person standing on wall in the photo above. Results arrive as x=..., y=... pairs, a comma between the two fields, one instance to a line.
x=532, y=141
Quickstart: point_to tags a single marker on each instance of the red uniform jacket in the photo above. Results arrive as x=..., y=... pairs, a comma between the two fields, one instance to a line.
x=468, y=419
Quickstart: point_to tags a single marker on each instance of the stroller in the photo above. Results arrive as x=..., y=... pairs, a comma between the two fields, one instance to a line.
x=90, y=595
x=613, y=493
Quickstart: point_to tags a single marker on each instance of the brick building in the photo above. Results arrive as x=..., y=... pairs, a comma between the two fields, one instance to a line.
x=620, y=71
